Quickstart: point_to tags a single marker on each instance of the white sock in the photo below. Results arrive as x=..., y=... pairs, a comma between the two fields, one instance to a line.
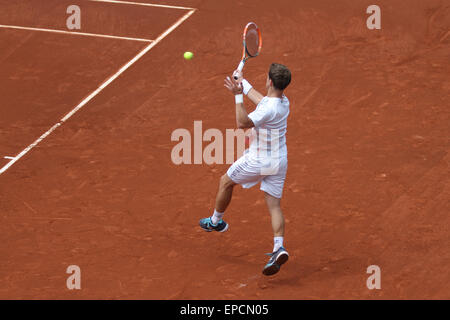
x=277, y=243
x=216, y=217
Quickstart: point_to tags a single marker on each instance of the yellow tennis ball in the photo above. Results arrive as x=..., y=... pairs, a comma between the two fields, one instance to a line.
x=188, y=55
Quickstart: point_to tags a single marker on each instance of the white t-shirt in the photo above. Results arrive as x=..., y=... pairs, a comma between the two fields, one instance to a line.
x=269, y=134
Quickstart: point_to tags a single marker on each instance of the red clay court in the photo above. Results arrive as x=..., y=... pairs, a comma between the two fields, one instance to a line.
x=85, y=150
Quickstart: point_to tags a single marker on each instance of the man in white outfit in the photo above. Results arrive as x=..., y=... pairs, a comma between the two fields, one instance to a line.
x=266, y=160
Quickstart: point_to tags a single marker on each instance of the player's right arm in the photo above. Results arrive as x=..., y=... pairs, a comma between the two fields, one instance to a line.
x=247, y=88
x=242, y=119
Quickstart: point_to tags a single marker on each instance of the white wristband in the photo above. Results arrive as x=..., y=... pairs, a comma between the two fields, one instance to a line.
x=246, y=86
x=239, y=98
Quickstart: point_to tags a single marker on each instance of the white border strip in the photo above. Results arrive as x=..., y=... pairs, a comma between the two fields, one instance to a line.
x=98, y=90
x=74, y=33
x=144, y=4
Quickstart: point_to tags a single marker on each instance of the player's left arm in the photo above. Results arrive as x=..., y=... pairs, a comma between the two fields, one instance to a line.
x=242, y=119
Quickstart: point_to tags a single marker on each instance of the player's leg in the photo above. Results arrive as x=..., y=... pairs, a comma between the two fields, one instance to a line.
x=273, y=188
x=273, y=204
x=243, y=172
x=223, y=198
x=224, y=194
x=279, y=255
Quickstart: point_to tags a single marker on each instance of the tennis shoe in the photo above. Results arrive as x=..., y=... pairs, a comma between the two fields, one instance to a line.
x=277, y=259
x=207, y=225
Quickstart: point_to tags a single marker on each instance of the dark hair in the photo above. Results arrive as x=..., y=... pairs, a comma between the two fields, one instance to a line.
x=280, y=76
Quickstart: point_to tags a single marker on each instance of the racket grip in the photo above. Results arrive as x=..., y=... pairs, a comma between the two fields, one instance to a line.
x=240, y=67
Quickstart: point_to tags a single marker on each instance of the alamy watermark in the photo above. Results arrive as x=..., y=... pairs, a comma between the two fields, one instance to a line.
x=74, y=20
x=263, y=144
x=374, y=20
x=74, y=280
x=374, y=281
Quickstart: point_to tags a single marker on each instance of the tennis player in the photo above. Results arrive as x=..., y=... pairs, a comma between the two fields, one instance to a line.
x=265, y=161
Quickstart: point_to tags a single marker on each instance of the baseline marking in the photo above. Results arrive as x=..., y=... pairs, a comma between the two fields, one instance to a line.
x=99, y=89
x=144, y=4
x=73, y=33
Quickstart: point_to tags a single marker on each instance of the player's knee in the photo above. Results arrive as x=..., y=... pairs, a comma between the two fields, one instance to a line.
x=272, y=202
x=226, y=182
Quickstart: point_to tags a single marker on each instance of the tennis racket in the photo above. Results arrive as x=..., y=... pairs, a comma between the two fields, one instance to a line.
x=252, y=44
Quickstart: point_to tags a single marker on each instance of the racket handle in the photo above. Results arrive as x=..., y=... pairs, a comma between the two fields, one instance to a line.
x=240, y=67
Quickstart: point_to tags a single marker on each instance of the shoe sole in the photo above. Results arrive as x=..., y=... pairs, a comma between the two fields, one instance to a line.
x=274, y=268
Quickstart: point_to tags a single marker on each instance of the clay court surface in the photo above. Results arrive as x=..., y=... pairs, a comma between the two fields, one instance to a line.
x=368, y=139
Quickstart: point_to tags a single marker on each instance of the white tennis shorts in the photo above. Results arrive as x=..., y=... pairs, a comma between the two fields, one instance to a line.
x=249, y=171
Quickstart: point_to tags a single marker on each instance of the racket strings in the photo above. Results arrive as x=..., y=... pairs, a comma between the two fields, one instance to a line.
x=252, y=42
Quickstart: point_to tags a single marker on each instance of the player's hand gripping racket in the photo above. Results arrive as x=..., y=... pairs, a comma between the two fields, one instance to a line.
x=252, y=44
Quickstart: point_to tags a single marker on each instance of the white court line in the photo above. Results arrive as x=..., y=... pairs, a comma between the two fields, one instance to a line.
x=144, y=4
x=98, y=90
x=74, y=33
x=10, y=158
